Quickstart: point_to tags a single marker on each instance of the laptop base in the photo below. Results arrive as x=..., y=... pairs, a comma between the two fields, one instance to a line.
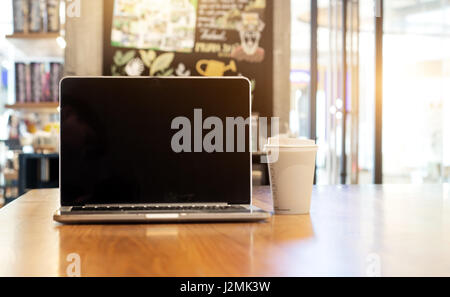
x=252, y=214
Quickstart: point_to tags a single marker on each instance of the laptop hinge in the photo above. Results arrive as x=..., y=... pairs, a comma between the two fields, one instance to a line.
x=157, y=204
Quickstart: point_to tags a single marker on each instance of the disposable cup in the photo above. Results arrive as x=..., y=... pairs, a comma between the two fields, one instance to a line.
x=291, y=171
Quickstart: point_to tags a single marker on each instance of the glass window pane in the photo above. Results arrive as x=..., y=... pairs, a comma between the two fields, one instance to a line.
x=300, y=67
x=416, y=53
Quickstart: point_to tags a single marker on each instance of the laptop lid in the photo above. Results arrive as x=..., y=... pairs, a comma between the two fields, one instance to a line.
x=155, y=140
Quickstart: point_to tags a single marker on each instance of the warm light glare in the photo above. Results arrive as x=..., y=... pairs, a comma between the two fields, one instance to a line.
x=61, y=42
x=414, y=101
x=333, y=109
x=339, y=104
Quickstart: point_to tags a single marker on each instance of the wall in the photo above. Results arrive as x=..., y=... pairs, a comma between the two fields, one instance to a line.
x=84, y=37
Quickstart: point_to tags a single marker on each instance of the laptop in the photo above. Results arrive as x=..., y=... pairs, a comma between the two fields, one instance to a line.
x=147, y=149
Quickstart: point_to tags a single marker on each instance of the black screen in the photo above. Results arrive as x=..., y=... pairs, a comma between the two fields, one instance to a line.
x=116, y=141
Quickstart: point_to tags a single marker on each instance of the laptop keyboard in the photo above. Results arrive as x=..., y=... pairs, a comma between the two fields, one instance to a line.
x=206, y=208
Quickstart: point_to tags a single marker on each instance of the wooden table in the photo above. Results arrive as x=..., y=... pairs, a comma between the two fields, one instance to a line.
x=352, y=231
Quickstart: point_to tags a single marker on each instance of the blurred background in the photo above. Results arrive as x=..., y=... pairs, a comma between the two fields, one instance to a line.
x=369, y=80
x=415, y=94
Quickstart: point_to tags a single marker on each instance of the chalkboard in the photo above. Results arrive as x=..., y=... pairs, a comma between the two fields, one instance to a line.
x=192, y=38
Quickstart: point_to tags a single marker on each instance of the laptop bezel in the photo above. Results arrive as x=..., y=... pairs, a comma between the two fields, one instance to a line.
x=250, y=136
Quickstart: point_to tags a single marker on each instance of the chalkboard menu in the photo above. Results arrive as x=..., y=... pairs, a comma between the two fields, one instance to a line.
x=192, y=38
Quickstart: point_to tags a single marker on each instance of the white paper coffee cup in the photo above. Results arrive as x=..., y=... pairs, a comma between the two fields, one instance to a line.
x=291, y=171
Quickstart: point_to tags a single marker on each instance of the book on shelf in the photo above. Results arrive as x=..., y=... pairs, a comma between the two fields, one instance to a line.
x=56, y=74
x=36, y=16
x=38, y=82
x=21, y=84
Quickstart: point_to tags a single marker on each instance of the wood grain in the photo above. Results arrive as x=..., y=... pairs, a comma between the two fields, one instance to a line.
x=51, y=107
x=33, y=36
x=405, y=228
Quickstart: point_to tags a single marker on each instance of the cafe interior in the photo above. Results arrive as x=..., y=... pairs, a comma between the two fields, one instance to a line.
x=367, y=80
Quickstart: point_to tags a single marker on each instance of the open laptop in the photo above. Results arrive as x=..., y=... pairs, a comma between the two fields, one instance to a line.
x=138, y=150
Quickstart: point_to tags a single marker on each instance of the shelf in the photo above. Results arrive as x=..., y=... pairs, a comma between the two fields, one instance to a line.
x=36, y=45
x=38, y=107
x=33, y=36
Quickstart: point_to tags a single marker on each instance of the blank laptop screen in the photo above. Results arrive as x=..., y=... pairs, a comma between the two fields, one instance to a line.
x=126, y=140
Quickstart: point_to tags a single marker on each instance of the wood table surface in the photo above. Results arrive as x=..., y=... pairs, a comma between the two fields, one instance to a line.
x=398, y=230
